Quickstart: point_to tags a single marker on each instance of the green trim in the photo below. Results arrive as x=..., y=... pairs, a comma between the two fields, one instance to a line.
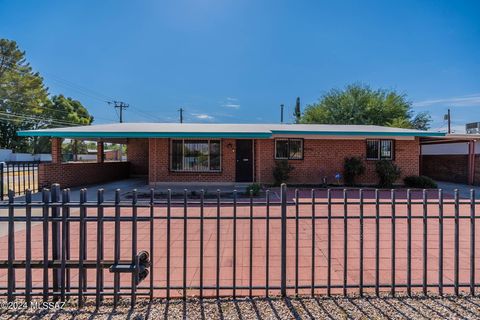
x=361, y=133
x=61, y=134
x=259, y=135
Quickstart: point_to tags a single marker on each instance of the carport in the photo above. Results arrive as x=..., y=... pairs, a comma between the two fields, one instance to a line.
x=452, y=158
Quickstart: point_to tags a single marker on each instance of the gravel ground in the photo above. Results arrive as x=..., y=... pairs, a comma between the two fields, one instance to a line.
x=447, y=307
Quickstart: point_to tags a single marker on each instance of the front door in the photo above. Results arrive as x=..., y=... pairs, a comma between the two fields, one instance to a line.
x=244, y=166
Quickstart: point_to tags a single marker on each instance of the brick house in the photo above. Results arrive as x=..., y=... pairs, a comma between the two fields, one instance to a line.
x=231, y=153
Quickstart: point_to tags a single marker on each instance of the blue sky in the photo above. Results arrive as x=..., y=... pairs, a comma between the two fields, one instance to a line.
x=237, y=61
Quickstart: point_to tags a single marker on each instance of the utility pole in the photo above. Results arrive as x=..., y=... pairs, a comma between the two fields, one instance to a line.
x=181, y=114
x=447, y=117
x=119, y=105
x=281, y=113
x=449, y=122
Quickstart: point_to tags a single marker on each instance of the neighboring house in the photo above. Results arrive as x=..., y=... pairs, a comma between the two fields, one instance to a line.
x=7, y=155
x=232, y=153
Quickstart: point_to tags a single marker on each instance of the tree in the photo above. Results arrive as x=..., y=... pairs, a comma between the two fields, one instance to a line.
x=297, y=113
x=60, y=110
x=21, y=90
x=359, y=104
x=25, y=103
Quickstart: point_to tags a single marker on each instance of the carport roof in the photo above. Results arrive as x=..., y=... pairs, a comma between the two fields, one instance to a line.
x=208, y=130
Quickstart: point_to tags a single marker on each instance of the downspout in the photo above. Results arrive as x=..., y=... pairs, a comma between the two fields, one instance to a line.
x=471, y=162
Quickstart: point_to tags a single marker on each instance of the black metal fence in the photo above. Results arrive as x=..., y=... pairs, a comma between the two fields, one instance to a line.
x=287, y=243
x=18, y=177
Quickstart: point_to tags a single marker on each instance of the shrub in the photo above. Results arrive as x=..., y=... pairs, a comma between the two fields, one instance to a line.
x=352, y=167
x=281, y=171
x=254, y=189
x=421, y=182
x=387, y=173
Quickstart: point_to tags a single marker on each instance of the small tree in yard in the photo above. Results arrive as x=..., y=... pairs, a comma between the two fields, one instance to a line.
x=387, y=173
x=281, y=172
x=352, y=168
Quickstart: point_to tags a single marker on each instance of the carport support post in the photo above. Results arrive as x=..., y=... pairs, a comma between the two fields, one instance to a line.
x=283, y=201
x=100, y=148
x=56, y=150
x=56, y=236
x=471, y=162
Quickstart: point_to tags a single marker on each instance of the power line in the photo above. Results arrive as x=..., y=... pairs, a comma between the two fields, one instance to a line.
x=7, y=120
x=29, y=117
x=93, y=94
x=145, y=114
x=47, y=108
x=14, y=117
x=72, y=85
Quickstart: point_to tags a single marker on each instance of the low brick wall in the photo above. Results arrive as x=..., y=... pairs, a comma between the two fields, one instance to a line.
x=452, y=168
x=81, y=174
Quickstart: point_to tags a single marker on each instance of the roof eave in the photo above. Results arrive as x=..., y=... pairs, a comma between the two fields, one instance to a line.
x=361, y=133
x=60, y=134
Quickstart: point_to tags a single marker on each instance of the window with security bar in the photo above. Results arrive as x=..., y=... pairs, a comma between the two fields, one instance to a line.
x=380, y=149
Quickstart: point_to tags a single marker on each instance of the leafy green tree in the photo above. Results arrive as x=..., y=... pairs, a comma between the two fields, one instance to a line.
x=359, y=104
x=25, y=103
x=61, y=111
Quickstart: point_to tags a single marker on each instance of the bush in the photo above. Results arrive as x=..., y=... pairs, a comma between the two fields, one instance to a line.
x=254, y=189
x=281, y=171
x=352, y=167
x=387, y=173
x=421, y=182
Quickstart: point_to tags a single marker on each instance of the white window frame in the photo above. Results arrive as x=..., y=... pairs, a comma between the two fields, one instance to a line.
x=183, y=155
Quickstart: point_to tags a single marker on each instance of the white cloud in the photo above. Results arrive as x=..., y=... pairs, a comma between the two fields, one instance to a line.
x=464, y=101
x=202, y=116
x=231, y=103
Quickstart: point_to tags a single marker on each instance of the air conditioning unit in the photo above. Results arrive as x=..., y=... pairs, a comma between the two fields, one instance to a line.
x=472, y=128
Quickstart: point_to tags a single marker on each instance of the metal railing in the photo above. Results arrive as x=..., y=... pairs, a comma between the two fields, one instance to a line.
x=18, y=177
x=281, y=243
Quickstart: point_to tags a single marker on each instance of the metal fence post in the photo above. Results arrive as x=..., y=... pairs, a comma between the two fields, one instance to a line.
x=283, y=201
x=11, y=245
x=56, y=236
x=1, y=181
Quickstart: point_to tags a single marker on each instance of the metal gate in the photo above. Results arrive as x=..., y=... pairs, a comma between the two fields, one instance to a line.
x=213, y=245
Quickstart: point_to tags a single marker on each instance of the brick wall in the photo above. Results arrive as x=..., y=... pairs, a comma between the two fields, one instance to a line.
x=453, y=168
x=476, y=176
x=81, y=174
x=322, y=158
x=159, y=165
x=137, y=155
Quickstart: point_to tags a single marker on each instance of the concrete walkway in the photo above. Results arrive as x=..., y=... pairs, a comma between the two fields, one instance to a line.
x=463, y=189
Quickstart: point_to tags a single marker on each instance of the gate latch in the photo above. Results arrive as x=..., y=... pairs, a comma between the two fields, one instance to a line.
x=139, y=267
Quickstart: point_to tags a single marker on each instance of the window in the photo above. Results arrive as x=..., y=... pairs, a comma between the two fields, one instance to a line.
x=379, y=149
x=289, y=149
x=195, y=155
